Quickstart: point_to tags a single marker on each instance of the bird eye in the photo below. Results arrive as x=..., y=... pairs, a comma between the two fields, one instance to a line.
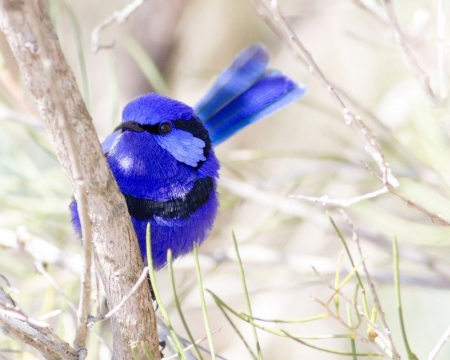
x=165, y=128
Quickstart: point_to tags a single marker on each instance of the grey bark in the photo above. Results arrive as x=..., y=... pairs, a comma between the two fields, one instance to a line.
x=35, y=46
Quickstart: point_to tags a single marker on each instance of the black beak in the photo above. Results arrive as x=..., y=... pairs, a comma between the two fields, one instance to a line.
x=129, y=125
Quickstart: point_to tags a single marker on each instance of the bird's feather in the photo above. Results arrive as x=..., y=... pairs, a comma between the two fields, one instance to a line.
x=271, y=93
x=183, y=146
x=111, y=141
x=248, y=66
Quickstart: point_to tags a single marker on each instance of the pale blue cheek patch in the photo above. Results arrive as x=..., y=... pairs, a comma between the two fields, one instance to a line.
x=111, y=141
x=183, y=146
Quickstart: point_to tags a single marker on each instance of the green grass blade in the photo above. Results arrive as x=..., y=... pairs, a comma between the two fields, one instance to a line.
x=247, y=346
x=248, y=319
x=294, y=321
x=202, y=298
x=134, y=352
x=177, y=345
x=147, y=351
x=411, y=355
x=358, y=277
x=113, y=90
x=247, y=297
x=146, y=64
x=331, y=351
x=178, y=305
x=350, y=324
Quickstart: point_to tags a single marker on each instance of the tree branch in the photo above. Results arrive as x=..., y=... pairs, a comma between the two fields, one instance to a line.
x=35, y=46
x=38, y=337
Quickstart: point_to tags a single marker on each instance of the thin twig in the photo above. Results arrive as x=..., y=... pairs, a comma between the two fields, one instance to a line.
x=40, y=268
x=119, y=17
x=325, y=200
x=18, y=314
x=435, y=218
x=378, y=344
x=270, y=12
x=5, y=279
x=408, y=56
x=187, y=348
x=236, y=330
x=139, y=282
x=439, y=345
x=51, y=314
x=372, y=286
x=280, y=26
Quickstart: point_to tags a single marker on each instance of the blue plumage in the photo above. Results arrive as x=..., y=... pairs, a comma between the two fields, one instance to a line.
x=162, y=153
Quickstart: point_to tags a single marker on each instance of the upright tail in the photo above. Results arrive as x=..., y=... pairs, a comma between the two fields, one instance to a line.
x=244, y=93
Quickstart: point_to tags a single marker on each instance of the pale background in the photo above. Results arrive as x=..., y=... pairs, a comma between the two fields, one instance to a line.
x=304, y=149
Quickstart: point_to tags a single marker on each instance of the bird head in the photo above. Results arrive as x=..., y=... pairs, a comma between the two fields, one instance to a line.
x=172, y=125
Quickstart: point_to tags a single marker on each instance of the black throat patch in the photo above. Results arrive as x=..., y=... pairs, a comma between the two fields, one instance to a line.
x=182, y=207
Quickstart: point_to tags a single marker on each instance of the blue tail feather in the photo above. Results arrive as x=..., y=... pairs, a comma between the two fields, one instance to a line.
x=248, y=66
x=245, y=93
x=268, y=95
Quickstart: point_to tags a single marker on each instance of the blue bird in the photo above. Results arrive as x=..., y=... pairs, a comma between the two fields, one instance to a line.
x=162, y=154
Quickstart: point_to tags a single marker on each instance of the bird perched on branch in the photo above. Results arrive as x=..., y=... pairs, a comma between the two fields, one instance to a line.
x=162, y=154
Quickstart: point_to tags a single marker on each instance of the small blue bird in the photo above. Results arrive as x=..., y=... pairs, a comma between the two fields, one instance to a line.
x=162, y=153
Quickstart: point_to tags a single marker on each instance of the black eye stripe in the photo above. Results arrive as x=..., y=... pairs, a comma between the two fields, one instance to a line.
x=156, y=129
x=152, y=129
x=129, y=125
x=193, y=126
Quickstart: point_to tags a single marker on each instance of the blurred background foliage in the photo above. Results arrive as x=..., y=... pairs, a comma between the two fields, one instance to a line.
x=178, y=47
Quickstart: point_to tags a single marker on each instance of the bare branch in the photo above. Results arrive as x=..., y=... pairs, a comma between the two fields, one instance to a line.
x=437, y=219
x=325, y=200
x=439, y=345
x=100, y=317
x=408, y=56
x=115, y=246
x=269, y=11
x=280, y=26
x=119, y=17
x=39, y=338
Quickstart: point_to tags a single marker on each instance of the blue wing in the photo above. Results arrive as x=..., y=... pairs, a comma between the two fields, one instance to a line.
x=245, y=93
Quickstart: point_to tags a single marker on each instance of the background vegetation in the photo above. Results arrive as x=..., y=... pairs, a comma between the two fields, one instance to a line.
x=290, y=249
